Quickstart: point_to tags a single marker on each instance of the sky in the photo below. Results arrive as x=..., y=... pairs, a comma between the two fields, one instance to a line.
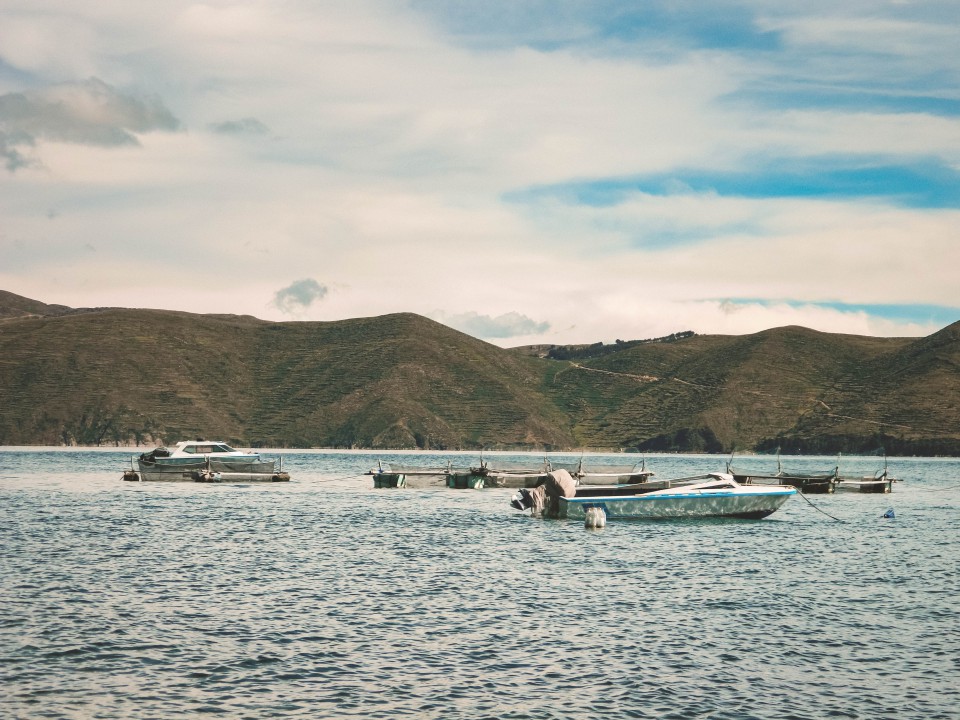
x=527, y=172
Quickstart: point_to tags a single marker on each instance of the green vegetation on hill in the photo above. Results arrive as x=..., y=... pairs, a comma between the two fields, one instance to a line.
x=112, y=375
x=599, y=349
x=144, y=376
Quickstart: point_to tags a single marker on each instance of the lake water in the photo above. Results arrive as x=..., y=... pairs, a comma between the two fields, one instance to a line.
x=326, y=598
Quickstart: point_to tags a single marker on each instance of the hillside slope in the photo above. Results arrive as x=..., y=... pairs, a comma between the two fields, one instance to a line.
x=118, y=375
x=113, y=375
x=17, y=306
x=792, y=387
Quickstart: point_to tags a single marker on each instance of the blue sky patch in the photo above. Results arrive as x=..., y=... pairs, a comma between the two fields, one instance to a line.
x=804, y=97
x=940, y=315
x=615, y=25
x=928, y=184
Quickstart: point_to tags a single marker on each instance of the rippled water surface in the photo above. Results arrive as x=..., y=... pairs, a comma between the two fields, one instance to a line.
x=326, y=598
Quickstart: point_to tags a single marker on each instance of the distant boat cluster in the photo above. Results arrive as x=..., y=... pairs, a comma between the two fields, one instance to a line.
x=579, y=491
x=818, y=483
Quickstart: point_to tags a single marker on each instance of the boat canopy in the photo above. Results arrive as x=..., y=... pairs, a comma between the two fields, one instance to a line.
x=193, y=447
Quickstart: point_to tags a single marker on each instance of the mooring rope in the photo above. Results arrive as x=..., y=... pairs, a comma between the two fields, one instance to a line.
x=818, y=509
x=344, y=477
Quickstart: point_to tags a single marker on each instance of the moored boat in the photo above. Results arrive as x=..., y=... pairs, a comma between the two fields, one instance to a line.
x=807, y=483
x=880, y=483
x=205, y=461
x=520, y=477
x=818, y=483
x=504, y=476
x=710, y=495
x=402, y=476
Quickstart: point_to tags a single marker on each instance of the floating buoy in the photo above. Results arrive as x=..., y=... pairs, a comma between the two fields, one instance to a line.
x=889, y=514
x=595, y=518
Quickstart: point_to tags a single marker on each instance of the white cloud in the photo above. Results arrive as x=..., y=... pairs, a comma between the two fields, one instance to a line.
x=379, y=151
x=299, y=296
x=243, y=126
x=89, y=112
x=507, y=325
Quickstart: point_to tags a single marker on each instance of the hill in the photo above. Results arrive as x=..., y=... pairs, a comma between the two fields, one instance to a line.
x=118, y=375
x=114, y=375
x=793, y=388
x=16, y=306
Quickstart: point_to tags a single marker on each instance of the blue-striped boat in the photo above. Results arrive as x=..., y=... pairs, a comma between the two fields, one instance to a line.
x=711, y=495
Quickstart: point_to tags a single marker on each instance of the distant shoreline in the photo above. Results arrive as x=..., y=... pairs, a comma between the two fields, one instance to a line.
x=132, y=449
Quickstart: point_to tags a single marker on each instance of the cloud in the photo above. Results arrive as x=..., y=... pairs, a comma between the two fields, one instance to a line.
x=905, y=314
x=90, y=112
x=13, y=158
x=299, y=296
x=245, y=126
x=511, y=324
x=611, y=167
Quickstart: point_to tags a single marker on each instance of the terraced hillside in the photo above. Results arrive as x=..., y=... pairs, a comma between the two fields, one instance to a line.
x=793, y=388
x=113, y=375
x=117, y=375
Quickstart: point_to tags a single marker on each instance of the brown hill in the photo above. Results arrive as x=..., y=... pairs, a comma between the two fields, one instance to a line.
x=794, y=388
x=17, y=306
x=117, y=375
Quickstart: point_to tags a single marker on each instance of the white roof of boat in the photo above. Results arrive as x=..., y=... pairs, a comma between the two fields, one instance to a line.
x=207, y=447
x=184, y=443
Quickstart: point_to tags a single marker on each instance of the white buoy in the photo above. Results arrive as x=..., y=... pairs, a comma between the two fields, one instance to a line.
x=595, y=519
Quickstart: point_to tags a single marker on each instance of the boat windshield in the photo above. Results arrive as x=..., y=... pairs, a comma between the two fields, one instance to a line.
x=207, y=449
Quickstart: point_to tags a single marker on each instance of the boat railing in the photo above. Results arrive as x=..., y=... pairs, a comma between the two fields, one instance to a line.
x=392, y=469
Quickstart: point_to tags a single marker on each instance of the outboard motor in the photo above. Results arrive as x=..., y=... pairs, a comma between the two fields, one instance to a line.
x=522, y=500
x=544, y=499
x=154, y=454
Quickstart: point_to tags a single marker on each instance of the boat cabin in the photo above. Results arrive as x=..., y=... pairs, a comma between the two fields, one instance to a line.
x=205, y=447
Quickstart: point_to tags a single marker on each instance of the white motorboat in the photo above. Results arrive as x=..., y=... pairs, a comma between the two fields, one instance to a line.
x=710, y=495
x=205, y=461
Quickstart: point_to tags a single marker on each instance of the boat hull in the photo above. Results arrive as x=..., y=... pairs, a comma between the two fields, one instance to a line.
x=808, y=485
x=472, y=481
x=414, y=480
x=865, y=486
x=753, y=504
x=477, y=480
x=262, y=471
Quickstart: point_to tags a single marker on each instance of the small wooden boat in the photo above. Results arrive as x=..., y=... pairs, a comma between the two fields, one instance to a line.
x=590, y=474
x=819, y=483
x=402, y=476
x=825, y=482
x=518, y=477
x=506, y=476
x=710, y=495
x=882, y=482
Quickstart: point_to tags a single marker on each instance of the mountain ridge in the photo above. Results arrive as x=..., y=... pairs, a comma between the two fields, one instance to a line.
x=135, y=376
